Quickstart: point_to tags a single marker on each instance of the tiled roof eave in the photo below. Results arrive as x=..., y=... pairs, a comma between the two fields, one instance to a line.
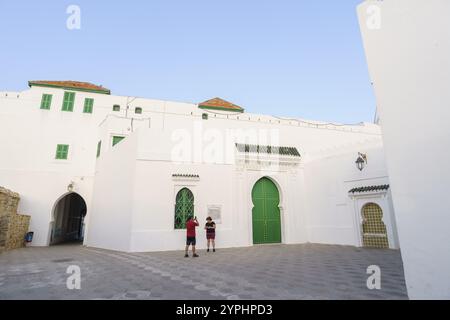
x=239, y=110
x=67, y=87
x=220, y=104
x=178, y=176
x=369, y=189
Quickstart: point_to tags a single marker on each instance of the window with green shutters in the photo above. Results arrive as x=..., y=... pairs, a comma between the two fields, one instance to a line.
x=68, y=101
x=46, y=101
x=88, y=105
x=99, y=147
x=62, y=151
x=116, y=140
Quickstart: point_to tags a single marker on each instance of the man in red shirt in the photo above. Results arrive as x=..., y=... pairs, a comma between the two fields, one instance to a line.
x=190, y=236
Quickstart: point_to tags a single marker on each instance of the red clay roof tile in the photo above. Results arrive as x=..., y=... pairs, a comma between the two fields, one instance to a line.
x=74, y=85
x=218, y=103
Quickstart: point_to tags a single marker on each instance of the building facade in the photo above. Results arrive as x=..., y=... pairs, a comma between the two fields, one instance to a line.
x=123, y=173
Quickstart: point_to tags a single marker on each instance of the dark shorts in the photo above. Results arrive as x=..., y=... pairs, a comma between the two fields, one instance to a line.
x=190, y=241
x=210, y=236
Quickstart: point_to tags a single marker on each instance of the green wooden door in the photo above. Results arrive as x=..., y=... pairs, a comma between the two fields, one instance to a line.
x=266, y=213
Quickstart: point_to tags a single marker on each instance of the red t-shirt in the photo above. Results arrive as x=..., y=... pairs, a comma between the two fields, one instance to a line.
x=190, y=228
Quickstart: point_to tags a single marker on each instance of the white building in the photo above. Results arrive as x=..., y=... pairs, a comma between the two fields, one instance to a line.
x=407, y=44
x=123, y=172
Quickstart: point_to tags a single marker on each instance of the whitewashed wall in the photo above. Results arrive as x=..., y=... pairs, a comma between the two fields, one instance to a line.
x=408, y=58
x=140, y=168
x=110, y=221
x=308, y=209
x=334, y=216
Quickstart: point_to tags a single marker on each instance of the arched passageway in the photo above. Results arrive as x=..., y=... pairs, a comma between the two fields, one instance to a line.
x=68, y=215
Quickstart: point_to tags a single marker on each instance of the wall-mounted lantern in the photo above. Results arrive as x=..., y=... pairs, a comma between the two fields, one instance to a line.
x=361, y=161
x=70, y=186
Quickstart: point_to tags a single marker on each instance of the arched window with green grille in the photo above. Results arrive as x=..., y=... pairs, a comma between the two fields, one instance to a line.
x=373, y=228
x=184, y=207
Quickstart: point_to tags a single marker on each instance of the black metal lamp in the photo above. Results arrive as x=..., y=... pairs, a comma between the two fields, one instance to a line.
x=361, y=161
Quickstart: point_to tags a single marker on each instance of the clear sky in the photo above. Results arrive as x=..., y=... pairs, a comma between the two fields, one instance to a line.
x=298, y=58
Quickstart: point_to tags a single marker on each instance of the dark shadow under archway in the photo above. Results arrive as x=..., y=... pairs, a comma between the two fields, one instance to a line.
x=68, y=215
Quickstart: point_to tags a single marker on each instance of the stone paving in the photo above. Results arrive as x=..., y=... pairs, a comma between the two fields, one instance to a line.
x=306, y=271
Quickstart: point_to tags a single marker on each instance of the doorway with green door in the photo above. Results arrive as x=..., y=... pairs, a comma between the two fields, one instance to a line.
x=266, y=212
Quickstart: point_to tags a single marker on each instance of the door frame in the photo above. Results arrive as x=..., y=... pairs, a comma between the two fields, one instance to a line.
x=382, y=199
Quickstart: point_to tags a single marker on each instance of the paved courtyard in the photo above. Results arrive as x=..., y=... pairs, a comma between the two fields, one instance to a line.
x=307, y=271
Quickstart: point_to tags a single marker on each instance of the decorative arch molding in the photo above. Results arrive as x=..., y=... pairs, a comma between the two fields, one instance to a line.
x=382, y=199
x=279, y=186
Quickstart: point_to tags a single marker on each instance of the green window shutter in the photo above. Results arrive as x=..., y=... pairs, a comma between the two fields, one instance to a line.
x=62, y=151
x=138, y=110
x=46, y=101
x=88, y=105
x=117, y=139
x=116, y=107
x=68, y=101
x=99, y=147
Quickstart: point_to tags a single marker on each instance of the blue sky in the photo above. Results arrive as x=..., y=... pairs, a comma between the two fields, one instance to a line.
x=299, y=58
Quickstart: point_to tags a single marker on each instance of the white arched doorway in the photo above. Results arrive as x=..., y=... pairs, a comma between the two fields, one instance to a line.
x=68, y=219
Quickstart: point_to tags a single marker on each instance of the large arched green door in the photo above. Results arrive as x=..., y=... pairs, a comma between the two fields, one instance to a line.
x=266, y=213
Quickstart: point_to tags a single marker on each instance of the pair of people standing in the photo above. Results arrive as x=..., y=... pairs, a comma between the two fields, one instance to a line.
x=210, y=228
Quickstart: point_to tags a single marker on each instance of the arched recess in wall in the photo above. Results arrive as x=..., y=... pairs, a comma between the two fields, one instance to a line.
x=68, y=219
x=184, y=207
x=374, y=231
x=266, y=219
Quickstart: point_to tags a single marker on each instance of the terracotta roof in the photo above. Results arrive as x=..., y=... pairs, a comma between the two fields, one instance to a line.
x=369, y=188
x=220, y=104
x=71, y=85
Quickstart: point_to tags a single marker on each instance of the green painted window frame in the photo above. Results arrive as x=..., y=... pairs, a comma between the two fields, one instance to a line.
x=62, y=151
x=68, y=101
x=138, y=110
x=88, y=105
x=116, y=107
x=117, y=139
x=46, y=101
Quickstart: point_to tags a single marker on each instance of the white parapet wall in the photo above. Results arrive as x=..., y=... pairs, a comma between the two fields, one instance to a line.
x=407, y=44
